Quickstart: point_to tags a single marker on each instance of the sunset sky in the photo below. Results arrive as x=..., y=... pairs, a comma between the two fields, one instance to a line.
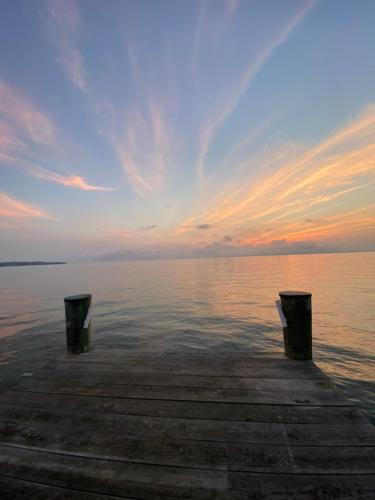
x=172, y=128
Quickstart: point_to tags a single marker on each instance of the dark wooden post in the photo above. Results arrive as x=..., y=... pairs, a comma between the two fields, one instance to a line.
x=298, y=332
x=77, y=336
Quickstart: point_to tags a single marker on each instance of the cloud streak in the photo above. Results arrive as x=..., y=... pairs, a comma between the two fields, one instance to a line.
x=73, y=181
x=27, y=133
x=16, y=209
x=63, y=30
x=303, y=197
x=141, y=128
x=144, y=145
x=19, y=114
x=252, y=69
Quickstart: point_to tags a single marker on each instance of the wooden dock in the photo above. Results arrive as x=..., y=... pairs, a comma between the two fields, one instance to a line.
x=193, y=426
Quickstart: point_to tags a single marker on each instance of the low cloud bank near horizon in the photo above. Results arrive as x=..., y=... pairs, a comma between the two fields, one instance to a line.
x=218, y=249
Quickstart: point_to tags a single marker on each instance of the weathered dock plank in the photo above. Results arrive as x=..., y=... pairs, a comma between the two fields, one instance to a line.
x=208, y=426
x=159, y=449
x=271, y=396
x=20, y=489
x=211, y=430
x=248, y=412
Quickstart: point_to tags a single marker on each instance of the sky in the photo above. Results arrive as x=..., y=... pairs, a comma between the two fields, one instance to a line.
x=172, y=128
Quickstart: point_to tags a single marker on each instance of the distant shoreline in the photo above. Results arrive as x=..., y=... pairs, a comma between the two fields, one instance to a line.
x=29, y=263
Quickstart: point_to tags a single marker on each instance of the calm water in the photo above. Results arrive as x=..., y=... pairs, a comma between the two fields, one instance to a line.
x=217, y=304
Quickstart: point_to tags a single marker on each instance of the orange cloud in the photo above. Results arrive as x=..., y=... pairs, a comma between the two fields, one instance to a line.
x=314, y=184
x=12, y=208
x=320, y=230
x=74, y=181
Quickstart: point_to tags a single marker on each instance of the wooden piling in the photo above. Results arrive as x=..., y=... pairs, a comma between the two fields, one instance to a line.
x=298, y=332
x=77, y=336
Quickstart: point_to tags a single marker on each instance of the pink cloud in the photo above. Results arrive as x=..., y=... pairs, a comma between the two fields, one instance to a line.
x=27, y=134
x=12, y=208
x=18, y=112
x=74, y=181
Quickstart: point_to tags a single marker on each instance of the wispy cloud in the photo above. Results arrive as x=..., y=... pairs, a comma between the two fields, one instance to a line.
x=63, y=29
x=13, y=208
x=8, y=138
x=19, y=114
x=26, y=134
x=138, y=132
x=347, y=223
x=198, y=33
x=212, y=20
x=232, y=6
x=233, y=98
x=74, y=181
x=144, y=145
x=304, y=197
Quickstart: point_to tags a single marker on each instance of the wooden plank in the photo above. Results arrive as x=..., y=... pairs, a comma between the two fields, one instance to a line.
x=20, y=489
x=206, y=430
x=159, y=449
x=151, y=482
x=129, y=369
x=187, y=409
x=167, y=380
x=208, y=371
x=189, y=364
x=190, y=356
x=194, y=354
x=272, y=395
x=310, y=487
x=112, y=476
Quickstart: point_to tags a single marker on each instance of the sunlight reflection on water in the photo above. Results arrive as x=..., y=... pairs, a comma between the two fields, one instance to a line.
x=207, y=304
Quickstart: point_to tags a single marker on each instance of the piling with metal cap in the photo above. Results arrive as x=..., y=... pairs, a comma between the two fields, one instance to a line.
x=78, y=324
x=298, y=332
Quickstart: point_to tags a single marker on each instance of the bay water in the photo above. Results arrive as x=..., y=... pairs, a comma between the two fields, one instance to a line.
x=218, y=304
